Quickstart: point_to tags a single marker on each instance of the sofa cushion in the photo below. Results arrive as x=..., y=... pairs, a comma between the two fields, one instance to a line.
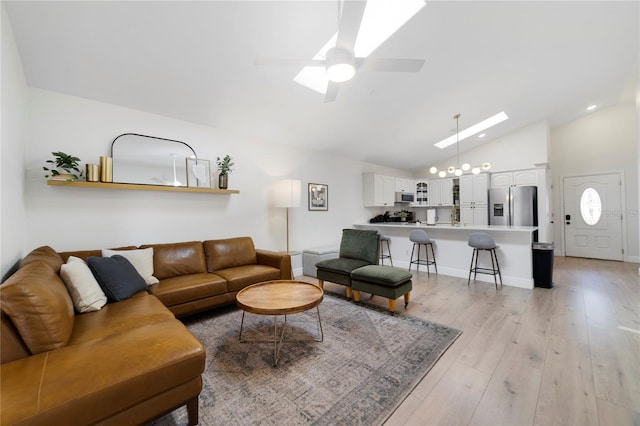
x=86, y=294
x=85, y=254
x=242, y=276
x=141, y=259
x=341, y=265
x=187, y=288
x=37, y=301
x=44, y=254
x=173, y=260
x=389, y=276
x=229, y=253
x=117, y=277
x=361, y=244
x=140, y=309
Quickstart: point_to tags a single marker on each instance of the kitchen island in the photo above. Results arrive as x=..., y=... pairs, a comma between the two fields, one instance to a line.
x=453, y=253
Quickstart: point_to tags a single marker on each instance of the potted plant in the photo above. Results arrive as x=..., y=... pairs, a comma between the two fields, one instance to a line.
x=66, y=163
x=224, y=166
x=403, y=215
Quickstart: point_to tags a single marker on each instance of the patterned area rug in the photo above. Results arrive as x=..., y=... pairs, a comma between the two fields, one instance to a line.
x=366, y=366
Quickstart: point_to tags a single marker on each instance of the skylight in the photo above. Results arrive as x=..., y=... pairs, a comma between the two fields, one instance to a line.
x=470, y=131
x=381, y=19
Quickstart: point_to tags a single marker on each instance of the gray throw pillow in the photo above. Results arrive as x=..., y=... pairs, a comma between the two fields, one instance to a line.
x=117, y=277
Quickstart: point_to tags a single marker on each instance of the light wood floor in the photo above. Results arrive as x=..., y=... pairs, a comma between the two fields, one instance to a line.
x=531, y=357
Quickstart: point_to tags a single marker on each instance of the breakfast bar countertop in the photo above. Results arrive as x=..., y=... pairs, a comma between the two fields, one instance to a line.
x=449, y=226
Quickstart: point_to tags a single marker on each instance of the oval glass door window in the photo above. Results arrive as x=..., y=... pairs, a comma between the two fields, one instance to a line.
x=590, y=206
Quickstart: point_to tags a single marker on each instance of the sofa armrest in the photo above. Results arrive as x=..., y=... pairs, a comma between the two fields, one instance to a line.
x=276, y=259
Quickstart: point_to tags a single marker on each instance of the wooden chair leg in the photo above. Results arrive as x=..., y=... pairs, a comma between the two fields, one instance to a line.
x=406, y=299
x=348, y=292
x=392, y=305
x=192, y=411
x=356, y=295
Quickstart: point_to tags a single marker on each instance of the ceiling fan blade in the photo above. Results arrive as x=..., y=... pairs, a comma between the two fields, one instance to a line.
x=288, y=62
x=352, y=12
x=332, y=92
x=389, y=64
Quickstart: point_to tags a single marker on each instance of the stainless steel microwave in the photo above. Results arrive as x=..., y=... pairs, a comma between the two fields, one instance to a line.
x=405, y=197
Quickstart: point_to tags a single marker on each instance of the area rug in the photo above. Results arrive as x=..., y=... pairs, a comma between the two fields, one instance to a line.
x=367, y=364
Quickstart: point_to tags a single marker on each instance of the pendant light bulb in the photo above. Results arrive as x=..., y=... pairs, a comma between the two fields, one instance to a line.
x=458, y=172
x=465, y=167
x=475, y=170
x=486, y=166
x=442, y=173
x=433, y=170
x=451, y=169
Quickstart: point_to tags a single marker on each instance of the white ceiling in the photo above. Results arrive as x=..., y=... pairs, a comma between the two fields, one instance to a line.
x=194, y=61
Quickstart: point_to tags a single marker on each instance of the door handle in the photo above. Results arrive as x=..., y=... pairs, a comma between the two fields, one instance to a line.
x=567, y=219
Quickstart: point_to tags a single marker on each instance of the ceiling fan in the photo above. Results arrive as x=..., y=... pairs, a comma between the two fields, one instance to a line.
x=340, y=61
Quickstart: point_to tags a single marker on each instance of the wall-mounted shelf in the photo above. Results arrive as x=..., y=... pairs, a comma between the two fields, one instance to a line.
x=139, y=187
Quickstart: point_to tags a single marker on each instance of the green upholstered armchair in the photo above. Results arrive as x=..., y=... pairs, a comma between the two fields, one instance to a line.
x=358, y=247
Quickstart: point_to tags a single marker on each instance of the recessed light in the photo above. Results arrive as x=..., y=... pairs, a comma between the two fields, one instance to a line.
x=591, y=108
x=482, y=135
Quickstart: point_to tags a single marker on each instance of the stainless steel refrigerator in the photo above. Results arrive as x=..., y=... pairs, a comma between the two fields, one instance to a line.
x=514, y=206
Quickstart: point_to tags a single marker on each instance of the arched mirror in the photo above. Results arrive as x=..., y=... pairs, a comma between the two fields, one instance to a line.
x=150, y=160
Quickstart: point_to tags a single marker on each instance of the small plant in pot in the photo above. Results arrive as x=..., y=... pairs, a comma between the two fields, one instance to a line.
x=63, y=167
x=224, y=166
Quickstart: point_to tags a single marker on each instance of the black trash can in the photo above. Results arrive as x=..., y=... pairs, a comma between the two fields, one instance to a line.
x=543, y=264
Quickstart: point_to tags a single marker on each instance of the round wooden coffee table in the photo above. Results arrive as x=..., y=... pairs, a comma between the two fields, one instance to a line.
x=276, y=298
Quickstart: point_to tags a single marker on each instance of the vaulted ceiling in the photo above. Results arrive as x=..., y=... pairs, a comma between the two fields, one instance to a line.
x=195, y=61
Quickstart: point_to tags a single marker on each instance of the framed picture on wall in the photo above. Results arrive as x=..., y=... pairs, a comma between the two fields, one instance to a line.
x=318, y=197
x=198, y=173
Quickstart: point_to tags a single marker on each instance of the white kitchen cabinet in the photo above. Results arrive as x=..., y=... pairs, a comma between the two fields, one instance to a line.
x=473, y=199
x=516, y=178
x=440, y=192
x=474, y=215
x=378, y=190
x=405, y=185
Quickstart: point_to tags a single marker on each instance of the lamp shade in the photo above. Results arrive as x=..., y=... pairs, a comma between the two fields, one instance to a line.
x=287, y=193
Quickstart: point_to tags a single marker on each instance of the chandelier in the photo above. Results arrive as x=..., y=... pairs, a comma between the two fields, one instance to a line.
x=458, y=169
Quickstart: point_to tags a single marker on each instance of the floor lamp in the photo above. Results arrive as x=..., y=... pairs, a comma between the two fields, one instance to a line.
x=288, y=195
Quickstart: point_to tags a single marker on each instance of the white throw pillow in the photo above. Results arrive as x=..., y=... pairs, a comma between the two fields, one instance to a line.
x=85, y=292
x=141, y=259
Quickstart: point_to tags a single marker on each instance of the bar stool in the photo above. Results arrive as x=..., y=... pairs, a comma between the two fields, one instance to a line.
x=481, y=241
x=420, y=238
x=385, y=239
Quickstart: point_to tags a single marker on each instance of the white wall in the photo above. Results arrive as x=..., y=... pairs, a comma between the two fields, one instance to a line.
x=603, y=141
x=82, y=218
x=13, y=118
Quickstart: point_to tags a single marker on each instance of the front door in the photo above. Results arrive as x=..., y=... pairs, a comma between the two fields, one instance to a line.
x=593, y=216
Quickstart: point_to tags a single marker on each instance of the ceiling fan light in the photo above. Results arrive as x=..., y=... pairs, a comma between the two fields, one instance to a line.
x=465, y=167
x=339, y=73
x=442, y=173
x=475, y=170
x=433, y=170
x=340, y=65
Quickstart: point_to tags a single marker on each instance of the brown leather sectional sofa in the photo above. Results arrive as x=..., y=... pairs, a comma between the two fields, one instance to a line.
x=130, y=361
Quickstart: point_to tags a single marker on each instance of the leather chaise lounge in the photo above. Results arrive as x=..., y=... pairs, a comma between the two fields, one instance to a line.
x=130, y=361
